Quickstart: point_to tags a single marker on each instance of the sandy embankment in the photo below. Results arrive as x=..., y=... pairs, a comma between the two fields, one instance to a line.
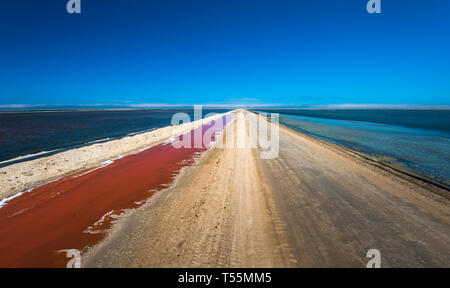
x=23, y=176
x=218, y=213
x=315, y=205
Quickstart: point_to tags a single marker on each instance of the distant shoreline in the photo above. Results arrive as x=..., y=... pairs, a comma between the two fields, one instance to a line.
x=96, y=109
x=62, y=108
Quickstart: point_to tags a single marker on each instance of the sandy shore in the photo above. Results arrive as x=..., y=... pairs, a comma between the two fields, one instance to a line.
x=218, y=213
x=315, y=205
x=23, y=176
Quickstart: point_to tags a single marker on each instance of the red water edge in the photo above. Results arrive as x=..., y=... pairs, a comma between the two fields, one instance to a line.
x=38, y=227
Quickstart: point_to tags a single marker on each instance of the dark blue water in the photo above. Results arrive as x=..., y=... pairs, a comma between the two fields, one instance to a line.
x=418, y=141
x=24, y=133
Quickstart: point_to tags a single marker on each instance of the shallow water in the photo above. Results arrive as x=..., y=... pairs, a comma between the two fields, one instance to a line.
x=422, y=151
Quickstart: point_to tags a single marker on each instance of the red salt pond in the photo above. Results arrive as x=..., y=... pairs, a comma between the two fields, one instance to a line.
x=38, y=227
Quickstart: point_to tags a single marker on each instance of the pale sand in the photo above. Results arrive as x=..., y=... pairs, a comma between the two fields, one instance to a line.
x=315, y=205
x=26, y=175
x=218, y=213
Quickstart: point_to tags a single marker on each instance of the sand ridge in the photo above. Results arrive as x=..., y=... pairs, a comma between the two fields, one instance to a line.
x=315, y=205
x=226, y=217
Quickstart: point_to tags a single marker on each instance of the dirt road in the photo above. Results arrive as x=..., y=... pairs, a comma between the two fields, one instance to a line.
x=315, y=205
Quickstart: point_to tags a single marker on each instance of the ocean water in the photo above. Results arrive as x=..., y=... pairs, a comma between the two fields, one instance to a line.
x=418, y=141
x=25, y=133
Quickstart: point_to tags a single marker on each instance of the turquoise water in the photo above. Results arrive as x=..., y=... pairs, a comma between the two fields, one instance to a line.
x=422, y=151
x=422, y=119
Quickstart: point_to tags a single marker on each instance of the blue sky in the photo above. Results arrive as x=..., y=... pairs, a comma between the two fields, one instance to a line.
x=131, y=52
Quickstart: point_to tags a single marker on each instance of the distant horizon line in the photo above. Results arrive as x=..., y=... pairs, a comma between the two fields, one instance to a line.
x=142, y=106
